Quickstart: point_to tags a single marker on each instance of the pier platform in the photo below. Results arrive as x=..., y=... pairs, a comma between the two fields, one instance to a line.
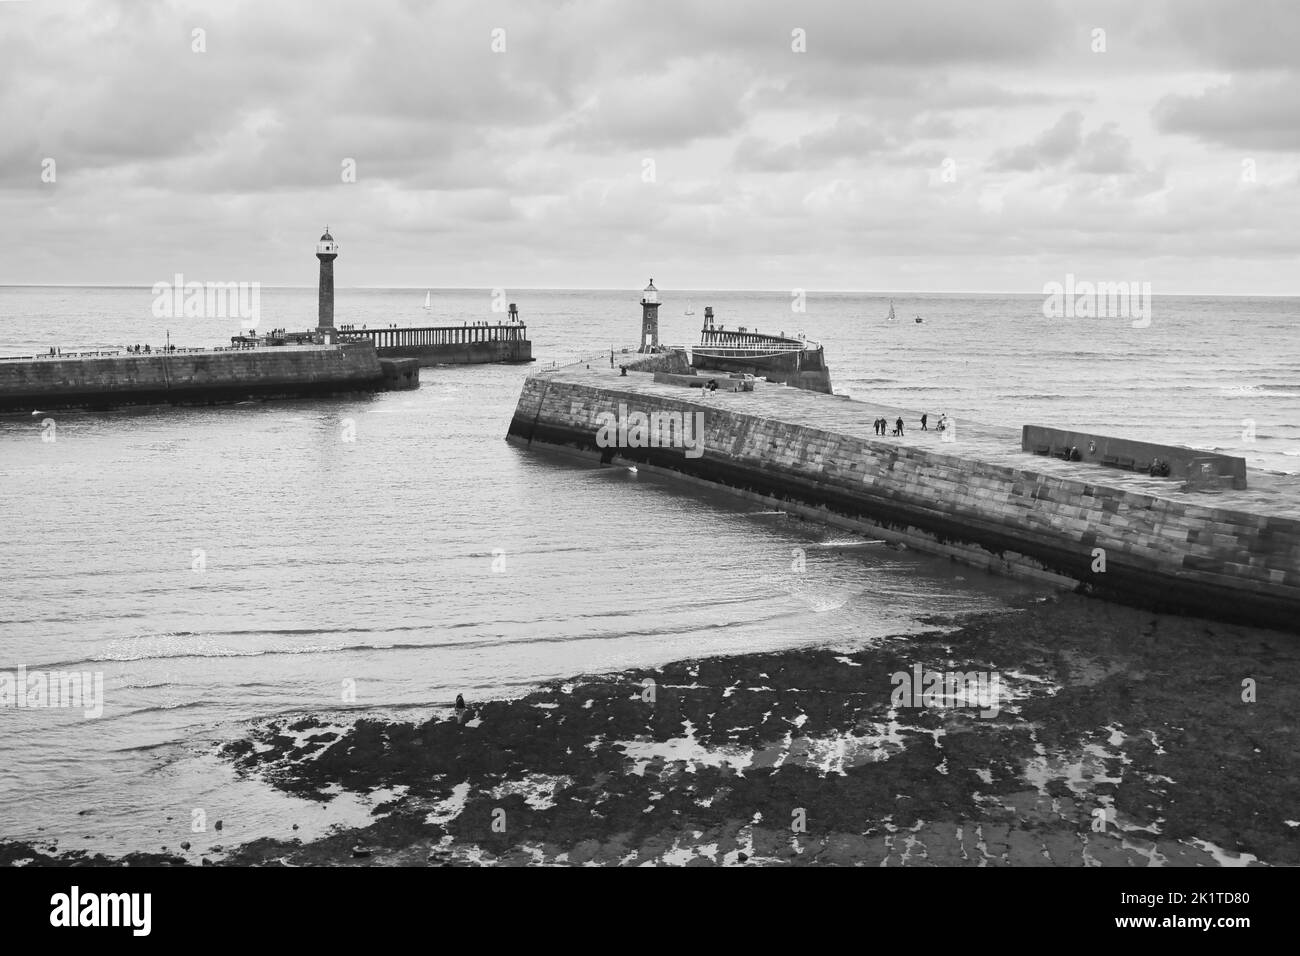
x=981, y=498
x=448, y=344
x=106, y=379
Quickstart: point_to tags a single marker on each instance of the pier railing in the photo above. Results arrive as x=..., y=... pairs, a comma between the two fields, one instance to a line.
x=161, y=350
x=60, y=355
x=621, y=356
x=98, y=353
x=742, y=340
x=568, y=361
x=436, y=335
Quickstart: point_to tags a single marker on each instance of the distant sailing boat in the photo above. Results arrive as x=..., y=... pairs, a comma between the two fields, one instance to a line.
x=919, y=320
x=689, y=310
x=891, y=311
x=428, y=299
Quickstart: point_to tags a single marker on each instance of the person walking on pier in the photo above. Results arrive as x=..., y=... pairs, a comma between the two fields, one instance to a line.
x=923, y=418
x=898, y=426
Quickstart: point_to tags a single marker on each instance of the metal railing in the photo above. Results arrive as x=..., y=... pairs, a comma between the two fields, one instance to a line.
x=584, y=359
x=60, y=355
x=163, y=350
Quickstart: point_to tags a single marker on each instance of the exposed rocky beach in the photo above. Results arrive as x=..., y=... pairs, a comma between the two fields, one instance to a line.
x=1119, y=738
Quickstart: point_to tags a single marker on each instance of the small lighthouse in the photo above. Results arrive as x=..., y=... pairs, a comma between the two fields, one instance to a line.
x=327, y=251
x=649, y=318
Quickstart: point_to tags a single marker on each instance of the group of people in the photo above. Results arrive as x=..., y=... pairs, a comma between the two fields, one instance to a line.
x=881, y=425
x=146, y=350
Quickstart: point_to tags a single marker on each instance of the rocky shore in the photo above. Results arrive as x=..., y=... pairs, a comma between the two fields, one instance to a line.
x=1118, y=738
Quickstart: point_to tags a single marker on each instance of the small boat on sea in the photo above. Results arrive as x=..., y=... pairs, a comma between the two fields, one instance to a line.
x=689, y=310
x=428, y=301
x=919, y=320
x=891, y=311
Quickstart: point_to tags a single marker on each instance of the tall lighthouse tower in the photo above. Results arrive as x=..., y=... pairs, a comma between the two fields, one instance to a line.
x=649, y=318
x=327, y=251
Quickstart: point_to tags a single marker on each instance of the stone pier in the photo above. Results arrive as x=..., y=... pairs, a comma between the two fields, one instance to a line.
x=980, y=498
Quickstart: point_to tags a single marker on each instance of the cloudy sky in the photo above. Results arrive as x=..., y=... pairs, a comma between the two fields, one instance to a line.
x=915, y=145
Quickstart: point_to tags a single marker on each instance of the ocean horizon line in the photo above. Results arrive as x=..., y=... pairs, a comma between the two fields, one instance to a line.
x=670, y=291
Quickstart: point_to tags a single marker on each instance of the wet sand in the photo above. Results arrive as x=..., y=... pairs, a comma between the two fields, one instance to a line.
x=1121, y=739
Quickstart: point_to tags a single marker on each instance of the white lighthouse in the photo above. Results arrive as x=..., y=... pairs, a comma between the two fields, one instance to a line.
x=327, y=250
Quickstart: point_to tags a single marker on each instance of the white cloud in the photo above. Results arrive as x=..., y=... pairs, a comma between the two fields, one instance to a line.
x=770, y=165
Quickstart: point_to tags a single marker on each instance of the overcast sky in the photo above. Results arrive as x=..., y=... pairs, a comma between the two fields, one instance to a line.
x=912, y=145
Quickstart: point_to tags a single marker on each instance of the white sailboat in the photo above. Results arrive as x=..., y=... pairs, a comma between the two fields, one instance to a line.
x=428, y=301
x=891, y=311
x=689, y=310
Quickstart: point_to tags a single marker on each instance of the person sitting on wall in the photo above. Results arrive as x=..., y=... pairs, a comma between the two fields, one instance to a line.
x=1158, y=469
x=622, y=370
x=1074, y=454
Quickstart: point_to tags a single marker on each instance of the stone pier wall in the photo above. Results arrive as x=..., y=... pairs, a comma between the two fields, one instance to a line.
x=1155, y=552
x=185, y=377
x=472, y=353
x=672, y=361
x=1108, y=450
